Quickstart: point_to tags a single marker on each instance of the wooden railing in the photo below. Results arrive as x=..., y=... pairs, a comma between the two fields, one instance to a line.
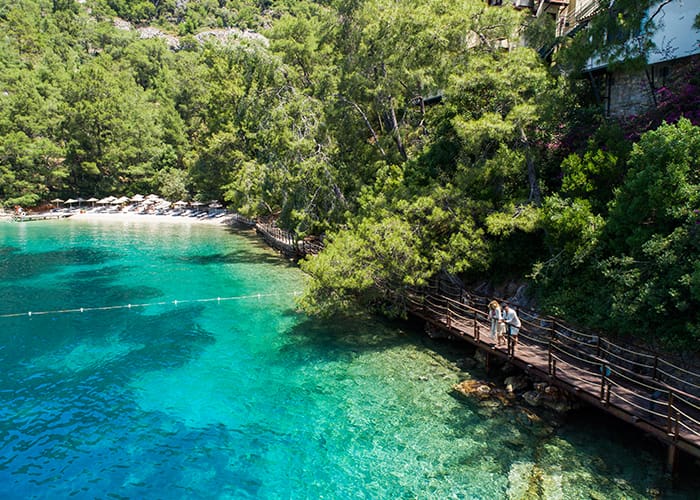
x=643, y=385
x=282, y=240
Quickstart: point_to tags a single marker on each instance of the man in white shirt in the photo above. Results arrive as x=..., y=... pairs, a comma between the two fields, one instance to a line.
x=512, y=322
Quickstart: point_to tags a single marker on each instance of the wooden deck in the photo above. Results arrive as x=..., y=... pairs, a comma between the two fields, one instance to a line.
x=35, y=217
x=279, y=239
x=642, y=389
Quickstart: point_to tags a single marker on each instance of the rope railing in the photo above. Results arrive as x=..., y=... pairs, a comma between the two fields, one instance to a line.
x=625, y=360
x=535, y=339
x=627, y=349
x=570, y=369
x=629, y=377
x=640, y=408
x=598, y=364
x=691, y=424
x=565, y=330
x=559, y=347
x=677, y=379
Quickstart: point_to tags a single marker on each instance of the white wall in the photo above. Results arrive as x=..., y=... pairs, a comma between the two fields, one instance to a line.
x=675, y=36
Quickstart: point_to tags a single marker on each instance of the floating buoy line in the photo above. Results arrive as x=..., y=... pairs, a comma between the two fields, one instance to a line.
x=143, y=305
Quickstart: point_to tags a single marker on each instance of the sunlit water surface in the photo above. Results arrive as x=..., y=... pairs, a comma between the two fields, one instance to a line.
x=245, y=397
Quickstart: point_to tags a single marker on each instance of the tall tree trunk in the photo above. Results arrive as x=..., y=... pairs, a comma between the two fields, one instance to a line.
x=535, y=193
x=397, y=132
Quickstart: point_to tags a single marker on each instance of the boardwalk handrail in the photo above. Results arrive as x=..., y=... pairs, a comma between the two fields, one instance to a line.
x=640, y=384
x=637, y=383
x=281, y=239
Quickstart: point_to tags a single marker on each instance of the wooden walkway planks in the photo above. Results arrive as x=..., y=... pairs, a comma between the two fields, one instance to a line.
x=614, y=381
x=642, y=389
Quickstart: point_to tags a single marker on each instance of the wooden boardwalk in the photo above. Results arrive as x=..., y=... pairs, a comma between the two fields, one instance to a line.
x=281, y=240
x=35, y=217
x=643, y=389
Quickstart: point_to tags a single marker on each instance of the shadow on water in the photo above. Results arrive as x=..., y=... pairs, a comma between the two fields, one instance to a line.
x=7, y=250
x=72, y=295
x=328, y=339
x=132, y=341
x=242, y=256
x=15, y=265
x=101, y=272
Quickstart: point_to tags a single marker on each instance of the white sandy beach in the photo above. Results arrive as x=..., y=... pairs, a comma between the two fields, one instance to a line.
x=151, y=218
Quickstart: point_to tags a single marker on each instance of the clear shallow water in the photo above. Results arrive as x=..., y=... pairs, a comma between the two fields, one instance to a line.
x=246, y=398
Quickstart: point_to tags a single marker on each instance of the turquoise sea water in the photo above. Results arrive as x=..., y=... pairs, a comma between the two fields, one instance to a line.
x=246, y=398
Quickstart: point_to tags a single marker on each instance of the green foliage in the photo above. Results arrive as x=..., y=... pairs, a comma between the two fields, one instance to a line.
x=418, y=137
x=172, y=183
x=639, y=266
x=591, y=177
x=661, y=189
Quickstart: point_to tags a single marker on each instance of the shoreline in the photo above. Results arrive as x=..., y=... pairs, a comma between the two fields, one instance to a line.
x=225, y=219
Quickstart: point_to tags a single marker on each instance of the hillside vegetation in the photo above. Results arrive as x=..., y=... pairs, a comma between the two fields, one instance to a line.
x=416, y=137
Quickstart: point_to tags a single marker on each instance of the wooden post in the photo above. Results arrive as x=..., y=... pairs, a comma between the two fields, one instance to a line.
x=511, y=345
x=669, y=425
x=671, y=457
x=602, y=383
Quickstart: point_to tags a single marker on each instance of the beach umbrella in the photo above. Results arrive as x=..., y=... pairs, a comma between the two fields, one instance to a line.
x=80, y=200
x=196, y=203
x=137, y=197
x=56, y=201
x=180, y=203
x=215, y=204
x=92, y=200
x=70, y=201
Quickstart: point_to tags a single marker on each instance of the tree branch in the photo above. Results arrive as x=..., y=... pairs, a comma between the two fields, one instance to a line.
x=369, y=125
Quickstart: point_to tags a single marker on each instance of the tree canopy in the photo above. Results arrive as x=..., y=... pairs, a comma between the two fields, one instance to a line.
x=415, y=138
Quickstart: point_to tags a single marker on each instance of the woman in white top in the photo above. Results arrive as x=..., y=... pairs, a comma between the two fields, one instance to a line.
x=496, y=319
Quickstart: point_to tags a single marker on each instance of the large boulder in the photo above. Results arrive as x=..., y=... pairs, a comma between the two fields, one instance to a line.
x=516, y=383
x=551, y=397
x=482, y=390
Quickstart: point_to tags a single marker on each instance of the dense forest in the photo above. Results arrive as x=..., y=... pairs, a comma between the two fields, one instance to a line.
x=415, y=137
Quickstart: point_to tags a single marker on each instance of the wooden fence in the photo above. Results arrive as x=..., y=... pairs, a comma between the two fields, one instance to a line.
x=645, y=387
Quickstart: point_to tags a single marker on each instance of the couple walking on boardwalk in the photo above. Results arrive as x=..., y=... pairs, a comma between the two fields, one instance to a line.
x=503, y=321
